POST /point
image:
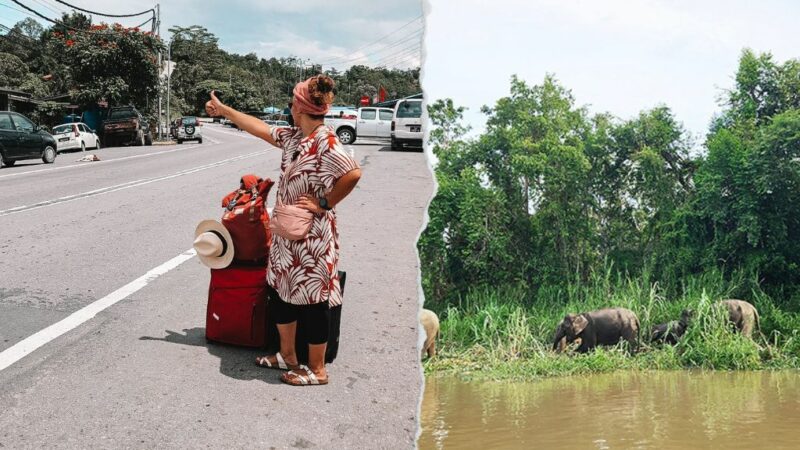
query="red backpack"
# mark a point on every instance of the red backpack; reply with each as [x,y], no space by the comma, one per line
[247,220]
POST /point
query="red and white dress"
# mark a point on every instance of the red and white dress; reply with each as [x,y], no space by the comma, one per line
[304,272]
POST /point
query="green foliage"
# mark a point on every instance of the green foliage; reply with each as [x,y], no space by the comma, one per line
[114,63]
[553,211]
[252,83]
[120,65]
[503,333]
[548,195]
[13,71]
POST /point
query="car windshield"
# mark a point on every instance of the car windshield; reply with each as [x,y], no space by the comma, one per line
[62,129]
[408,110]
[283,123]
[189,121]
[121,113]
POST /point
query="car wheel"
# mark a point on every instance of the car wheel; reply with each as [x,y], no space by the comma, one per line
[200,141]
[180,141]
[5,163]
[395,145]
[49,155]
[346,136]
[83,146]
[148,139]
[97,143]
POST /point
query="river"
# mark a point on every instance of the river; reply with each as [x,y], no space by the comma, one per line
[627,410]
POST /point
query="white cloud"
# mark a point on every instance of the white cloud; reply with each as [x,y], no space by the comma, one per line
[620,56]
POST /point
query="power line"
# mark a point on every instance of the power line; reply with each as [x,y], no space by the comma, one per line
[78,30]
[16,9]
[375,42]
[388,56]
[405,61]
[105,15]
[406,39]
[47,6]
[45,17]
[15,32]
[400,56]
[415,53]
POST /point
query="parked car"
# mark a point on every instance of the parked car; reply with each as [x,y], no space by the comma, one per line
[282,124]
[21,139]
[189,129]
[367,122]
[124,124]
[407,124]
[75,136]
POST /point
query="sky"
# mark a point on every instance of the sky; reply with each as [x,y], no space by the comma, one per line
[340,33]
[617,56]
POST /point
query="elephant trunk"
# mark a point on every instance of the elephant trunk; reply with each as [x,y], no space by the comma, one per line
[560,341]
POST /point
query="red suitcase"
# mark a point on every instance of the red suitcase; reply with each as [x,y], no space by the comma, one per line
[237,306]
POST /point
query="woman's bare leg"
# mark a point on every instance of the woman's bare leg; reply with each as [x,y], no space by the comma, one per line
[287,333]
[316,360]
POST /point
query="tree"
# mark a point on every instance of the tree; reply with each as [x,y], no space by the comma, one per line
[110,62]
[12,70]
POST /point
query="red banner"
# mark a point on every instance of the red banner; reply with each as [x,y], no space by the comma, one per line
[382,94]
[364,100]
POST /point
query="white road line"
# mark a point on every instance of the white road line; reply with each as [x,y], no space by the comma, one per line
[241,134]
[119,187]
[26,346]
[16,174]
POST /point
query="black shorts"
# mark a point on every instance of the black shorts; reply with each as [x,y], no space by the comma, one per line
[315,318]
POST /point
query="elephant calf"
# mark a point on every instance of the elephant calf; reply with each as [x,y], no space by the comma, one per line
[742,315]
[430,323]
[671,332]
[602,327]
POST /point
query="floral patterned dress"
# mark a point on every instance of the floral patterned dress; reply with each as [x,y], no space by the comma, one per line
[305,272]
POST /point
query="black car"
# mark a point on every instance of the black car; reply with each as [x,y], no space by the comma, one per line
[20,139]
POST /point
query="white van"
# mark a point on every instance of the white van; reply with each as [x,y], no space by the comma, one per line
[407,124]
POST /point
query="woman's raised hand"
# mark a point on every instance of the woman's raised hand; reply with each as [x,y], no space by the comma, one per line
[214,106]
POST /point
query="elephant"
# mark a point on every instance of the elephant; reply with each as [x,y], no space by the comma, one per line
[430,323]
[601,327]
[671,332]
[742,315]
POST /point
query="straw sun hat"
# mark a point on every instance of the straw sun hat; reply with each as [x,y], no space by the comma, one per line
[213,244]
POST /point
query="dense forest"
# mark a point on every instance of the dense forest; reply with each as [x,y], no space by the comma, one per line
[88,62]
[550,194]
[553,210]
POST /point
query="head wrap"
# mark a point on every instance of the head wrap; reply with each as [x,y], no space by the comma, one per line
[304,103]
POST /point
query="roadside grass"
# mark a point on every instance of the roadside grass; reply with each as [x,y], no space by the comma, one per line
[503,334]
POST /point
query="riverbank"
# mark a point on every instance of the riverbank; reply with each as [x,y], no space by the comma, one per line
[504,334]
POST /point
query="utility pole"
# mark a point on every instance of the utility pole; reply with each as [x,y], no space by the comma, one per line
[169,78]
[157,30]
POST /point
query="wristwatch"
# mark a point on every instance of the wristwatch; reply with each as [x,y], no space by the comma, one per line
[323,203]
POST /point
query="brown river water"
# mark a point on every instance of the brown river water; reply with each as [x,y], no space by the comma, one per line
[641,410]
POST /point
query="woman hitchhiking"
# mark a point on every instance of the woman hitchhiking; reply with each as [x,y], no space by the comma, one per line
[316,174]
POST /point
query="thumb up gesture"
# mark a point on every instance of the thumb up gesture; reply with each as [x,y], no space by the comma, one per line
[214,106]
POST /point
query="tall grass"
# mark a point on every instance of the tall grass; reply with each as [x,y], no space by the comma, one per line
[506,333]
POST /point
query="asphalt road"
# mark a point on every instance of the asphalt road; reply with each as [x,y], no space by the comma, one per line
[139,374]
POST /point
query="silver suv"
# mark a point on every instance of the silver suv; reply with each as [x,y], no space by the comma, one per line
[188,129]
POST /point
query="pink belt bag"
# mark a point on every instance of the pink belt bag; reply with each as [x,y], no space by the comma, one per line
[290,222]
